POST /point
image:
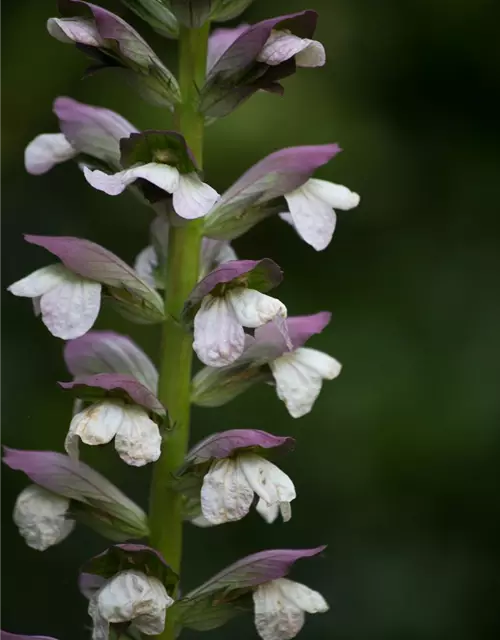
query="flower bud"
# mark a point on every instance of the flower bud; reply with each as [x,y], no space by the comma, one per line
[41,517]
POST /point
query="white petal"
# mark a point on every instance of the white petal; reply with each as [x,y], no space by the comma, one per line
[214,253]
[268,511]
[95,425]
[282,45]
[276,618]
[336,195]
[133,596]
[302,597]
[225,494]
[145,265]
[193,198]
[312,54]
[41,517]
[138,440]
[298,386]
[78,30]
[45,151]
[319,362]
[219,338]
[313,218]
[267,480]
[41,281]
[253,309]
[70,310]
[161,175]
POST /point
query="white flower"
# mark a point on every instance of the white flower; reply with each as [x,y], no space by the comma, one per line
[45,151]
[280,607]
[283,45]
[69,304]
[145,265]
[130,596]
[312,212]
[219,338]
[230,484]
[137,437]
[192,198]
[41,517]
[299,376]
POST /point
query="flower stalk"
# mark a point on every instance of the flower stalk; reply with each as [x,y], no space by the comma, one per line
[181,275]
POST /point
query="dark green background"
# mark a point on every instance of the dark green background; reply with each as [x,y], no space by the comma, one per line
[397,466]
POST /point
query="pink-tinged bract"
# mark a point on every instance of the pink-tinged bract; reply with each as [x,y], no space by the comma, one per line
[113,383]
[109,352]
[226,443]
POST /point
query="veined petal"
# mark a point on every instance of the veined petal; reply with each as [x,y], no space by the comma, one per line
[78,30]
[267,480]
[313,218]
[253,308]
[225,494]
[301,596]
[162,175]
[276,618]
[319,362]
[70,309]
[41,517]
[297,385]
[41,281]
[45,151]
[219,338]
[138,440]
[283,45]
[95,425]
[299,376]
[193,198]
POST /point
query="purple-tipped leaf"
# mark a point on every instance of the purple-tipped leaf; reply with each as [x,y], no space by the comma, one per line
[261,275]
[116,385]
[109,352]
[77,481]
[93,131]
[277,174]
[226,443]
[253,570]
[94,262]
[122,557]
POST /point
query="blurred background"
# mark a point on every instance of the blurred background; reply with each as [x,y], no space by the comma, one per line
[397,465]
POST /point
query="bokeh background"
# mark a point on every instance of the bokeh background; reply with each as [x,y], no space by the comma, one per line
[397,466]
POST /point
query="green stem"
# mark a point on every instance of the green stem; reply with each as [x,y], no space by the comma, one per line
[181,276]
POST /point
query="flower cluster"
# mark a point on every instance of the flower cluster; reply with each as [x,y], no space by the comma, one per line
[241,333]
